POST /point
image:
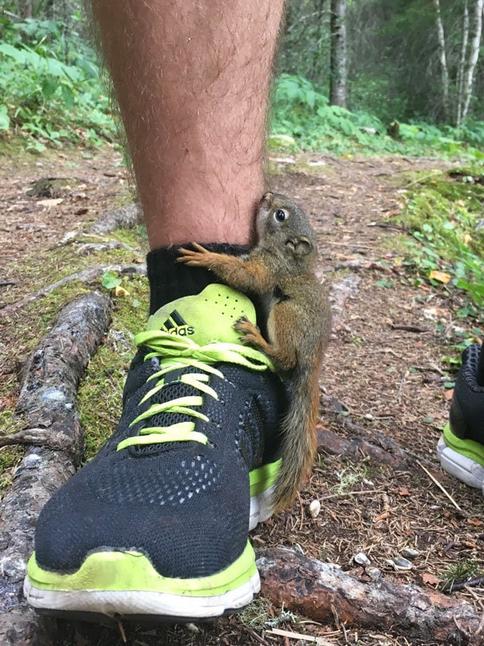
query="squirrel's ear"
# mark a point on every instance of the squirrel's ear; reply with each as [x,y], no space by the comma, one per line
[302,246]
[266,200]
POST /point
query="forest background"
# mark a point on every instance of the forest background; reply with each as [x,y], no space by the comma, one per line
[352,76]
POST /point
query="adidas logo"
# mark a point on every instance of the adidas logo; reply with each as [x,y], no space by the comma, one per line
[176,324]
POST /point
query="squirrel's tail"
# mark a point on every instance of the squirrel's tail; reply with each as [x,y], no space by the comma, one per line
[298,437]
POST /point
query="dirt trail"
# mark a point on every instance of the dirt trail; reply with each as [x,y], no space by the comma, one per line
[383,378]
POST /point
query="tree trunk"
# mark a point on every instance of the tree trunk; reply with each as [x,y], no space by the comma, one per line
[338,53]
[474,45]
[25,8]
[462,64]
[444,70]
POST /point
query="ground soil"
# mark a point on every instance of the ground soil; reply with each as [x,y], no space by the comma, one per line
[383,377]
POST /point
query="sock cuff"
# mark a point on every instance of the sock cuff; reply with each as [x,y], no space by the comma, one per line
[170,280]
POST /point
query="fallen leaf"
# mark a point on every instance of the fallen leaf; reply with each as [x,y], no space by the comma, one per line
[448,394]
[51,202]
[404,491]
[477,522]
[430,579]
[440,276]
[120,291]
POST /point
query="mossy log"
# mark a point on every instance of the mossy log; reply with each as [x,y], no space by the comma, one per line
[47,402]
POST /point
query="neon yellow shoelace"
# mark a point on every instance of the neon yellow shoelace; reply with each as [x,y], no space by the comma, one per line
[174,353]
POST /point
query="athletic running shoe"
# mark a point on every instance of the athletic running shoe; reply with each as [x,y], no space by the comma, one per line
[157,523]
[461,447]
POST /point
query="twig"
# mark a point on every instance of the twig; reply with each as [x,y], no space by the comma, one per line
[474,596]
[409,328]
[305,638]
[122,632]
[441,487]
[475,582]
[257,637]
[420,180]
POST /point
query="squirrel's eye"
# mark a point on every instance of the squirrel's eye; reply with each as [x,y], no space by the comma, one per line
[280,215]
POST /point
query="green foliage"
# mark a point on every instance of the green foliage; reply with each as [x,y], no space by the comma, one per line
[443,215]
[50,86]
[459,571]
[110,280]
[301,111]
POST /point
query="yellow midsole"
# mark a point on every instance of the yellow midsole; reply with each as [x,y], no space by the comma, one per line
[133,571]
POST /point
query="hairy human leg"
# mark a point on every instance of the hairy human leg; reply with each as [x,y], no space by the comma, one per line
[175,493]
[192,81]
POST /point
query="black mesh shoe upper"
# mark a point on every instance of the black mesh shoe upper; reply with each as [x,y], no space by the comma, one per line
[467,409]
[184,505]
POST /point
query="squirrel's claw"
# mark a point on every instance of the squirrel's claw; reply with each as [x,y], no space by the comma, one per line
[194,257]
[199,248]
[249,333]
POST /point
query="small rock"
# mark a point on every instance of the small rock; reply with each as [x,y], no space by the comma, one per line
[193,628]
[314,508]
[373,572]
[399,563]
[362,559]
[410,553]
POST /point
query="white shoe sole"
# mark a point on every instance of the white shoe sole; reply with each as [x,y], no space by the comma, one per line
[260,508]
[113,603]
[460,466]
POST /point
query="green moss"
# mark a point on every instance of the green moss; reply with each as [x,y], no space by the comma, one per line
[100,393]
[442,213]
[10,456]
[257,614]
[132,237]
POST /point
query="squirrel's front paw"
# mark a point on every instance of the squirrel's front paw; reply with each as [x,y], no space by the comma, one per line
[197,257]
[249,333]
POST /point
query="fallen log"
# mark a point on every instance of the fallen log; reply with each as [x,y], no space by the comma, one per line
[84,276]
[39,475]
[48,394]
[47,403]
[323,592]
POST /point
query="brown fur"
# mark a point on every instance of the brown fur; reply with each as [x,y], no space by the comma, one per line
[280,268]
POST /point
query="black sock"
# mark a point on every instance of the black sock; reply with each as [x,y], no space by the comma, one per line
[170,280]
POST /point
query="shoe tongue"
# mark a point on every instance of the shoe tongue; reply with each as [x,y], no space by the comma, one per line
[205,317]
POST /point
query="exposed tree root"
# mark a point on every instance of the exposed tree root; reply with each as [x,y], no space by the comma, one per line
[355,447]
[84,276]
[47,401]
[126,217]
[323,592]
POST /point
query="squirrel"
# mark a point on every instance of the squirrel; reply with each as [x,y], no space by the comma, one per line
[280,270]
